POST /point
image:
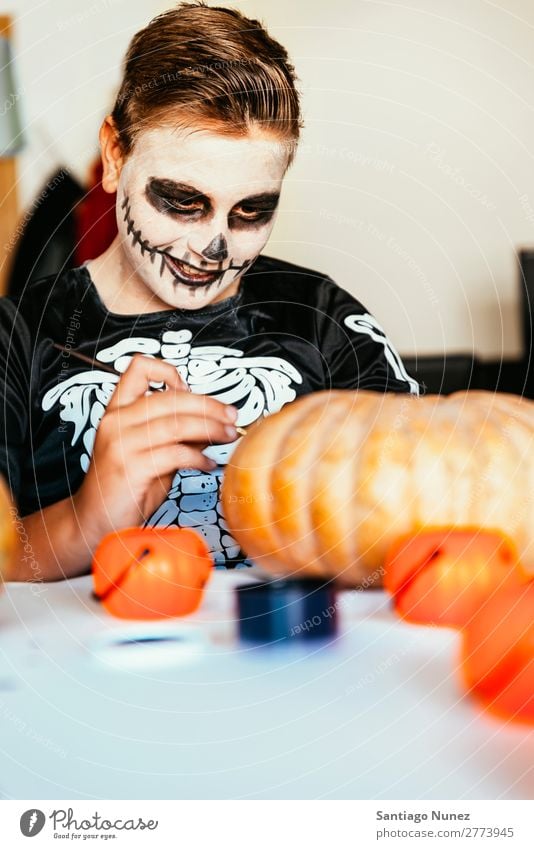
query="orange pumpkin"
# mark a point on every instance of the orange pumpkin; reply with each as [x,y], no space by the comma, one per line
[498,653]
[151,573]
[443,576]
[326,485]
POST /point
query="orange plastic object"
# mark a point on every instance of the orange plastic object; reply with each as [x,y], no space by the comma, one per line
[498,653]
[151,573]
[441,576]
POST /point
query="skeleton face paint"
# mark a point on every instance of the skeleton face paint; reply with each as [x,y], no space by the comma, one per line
[194,212]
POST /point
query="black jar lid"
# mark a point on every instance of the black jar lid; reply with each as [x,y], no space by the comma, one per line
[284,609]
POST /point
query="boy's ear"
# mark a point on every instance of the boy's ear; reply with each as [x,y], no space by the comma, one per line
[112,155]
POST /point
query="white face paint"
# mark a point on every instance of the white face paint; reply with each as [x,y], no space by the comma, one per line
[195,210]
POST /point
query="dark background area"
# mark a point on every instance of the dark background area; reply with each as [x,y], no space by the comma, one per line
[454,372]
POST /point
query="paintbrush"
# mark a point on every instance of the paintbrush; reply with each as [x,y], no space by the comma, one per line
[85,359]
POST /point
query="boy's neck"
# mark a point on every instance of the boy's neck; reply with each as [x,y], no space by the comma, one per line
[120,289]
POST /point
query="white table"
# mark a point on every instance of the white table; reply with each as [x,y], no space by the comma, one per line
[379,713]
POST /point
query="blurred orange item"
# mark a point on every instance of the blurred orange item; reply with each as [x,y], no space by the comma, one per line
[498,653]
[441,576]
[151,573]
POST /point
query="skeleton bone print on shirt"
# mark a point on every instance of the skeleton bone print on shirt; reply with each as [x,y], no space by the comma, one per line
[365,323]
[258,386]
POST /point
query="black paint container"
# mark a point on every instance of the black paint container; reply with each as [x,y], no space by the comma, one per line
[286,610]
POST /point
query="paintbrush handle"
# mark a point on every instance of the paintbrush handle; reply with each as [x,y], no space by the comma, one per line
[85,359]
[96,363]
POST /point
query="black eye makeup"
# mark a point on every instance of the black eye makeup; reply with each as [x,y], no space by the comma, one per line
[182,200]
[255,210]
[170,197]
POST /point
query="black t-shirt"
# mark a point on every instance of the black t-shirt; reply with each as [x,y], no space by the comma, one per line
[287,332]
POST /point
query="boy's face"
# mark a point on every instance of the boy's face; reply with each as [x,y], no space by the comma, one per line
[195,210]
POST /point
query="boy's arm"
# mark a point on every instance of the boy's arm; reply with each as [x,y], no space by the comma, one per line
[51,542]
[52,545]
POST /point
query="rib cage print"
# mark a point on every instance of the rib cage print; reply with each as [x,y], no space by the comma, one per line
[257,386]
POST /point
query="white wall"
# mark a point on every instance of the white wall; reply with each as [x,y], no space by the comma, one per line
[415,182]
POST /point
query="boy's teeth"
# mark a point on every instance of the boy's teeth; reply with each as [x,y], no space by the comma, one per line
[189,272]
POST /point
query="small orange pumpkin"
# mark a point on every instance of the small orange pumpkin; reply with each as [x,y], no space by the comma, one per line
[443,576]
[151,573]
[325,486]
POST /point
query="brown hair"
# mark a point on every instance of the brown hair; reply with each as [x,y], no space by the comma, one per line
[212,67]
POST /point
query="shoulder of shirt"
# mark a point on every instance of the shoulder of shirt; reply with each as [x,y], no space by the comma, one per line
[288,280]
[42,294]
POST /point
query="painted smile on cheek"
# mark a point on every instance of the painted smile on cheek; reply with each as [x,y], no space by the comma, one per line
[181,269]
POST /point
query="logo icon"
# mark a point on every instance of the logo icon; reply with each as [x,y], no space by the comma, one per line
[32,822]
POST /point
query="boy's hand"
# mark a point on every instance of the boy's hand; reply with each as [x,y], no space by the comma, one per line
[140,443]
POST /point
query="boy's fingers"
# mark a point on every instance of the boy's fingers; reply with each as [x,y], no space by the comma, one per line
[168,430]
[168,458]
[134,382]
[177,404]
